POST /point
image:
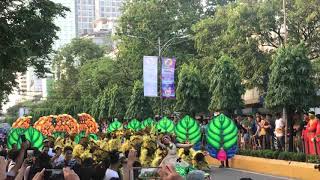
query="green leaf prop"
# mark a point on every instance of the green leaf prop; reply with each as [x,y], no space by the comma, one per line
[83,134]
[187,129]
[94,137]
[59,134]
[147,123]
[115,125]
[14,137]
[134,124]
[183,171]
[35,137]
[222,132]
[165,125]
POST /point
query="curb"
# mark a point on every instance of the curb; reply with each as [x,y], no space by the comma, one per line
[290,169]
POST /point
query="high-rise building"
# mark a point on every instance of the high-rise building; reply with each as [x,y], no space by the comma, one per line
[85,15]
[67,24]
[110,9]
[89,11]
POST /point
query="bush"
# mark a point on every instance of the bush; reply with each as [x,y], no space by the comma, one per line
[313,159]
[288,156]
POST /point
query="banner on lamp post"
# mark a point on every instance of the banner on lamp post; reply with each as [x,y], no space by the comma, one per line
[150,76]
[167,77]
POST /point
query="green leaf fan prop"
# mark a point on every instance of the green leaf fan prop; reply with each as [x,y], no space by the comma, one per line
[35,137]
[59,134]
[14,137]
[188,130]
[165,125]
[134,124]
[222,137]
[83,134]
[147,123]
[115,125]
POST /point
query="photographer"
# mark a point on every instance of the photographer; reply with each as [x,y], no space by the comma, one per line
[16,161]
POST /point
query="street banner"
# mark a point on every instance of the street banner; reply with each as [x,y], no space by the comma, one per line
[150,76]
[167,77]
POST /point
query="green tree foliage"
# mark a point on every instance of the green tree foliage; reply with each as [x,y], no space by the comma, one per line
[148,20]
[225,86]
[139,106]
[104,104]
[227,33]
[250,31]
[116,102]
[27,33]
[189,90]
[291,83]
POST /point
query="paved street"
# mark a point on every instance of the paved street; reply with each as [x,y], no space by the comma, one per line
[235,174]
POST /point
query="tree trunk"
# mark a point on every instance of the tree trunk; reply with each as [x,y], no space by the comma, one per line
[290,116]
[285,118]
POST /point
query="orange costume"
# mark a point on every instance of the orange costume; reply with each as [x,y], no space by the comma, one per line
[311,133]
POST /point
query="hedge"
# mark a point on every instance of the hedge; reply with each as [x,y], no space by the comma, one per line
[288,156]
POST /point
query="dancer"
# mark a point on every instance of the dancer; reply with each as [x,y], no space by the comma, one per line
[171,147]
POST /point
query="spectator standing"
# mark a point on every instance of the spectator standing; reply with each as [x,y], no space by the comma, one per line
[58,159]
[112,171]
[279,131]
[264,132]
[303,129]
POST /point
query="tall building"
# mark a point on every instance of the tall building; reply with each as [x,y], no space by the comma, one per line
[85,15]
[67,24]
[110,9]
[89,11]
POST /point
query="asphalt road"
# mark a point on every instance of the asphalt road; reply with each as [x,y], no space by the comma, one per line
[235,174]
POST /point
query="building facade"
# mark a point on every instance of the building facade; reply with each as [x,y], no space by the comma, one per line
[67,25]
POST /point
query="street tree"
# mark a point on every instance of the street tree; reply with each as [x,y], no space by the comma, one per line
[225,87]
[27,34]
[116,102]
[291,84]
[189,90]
[139,106]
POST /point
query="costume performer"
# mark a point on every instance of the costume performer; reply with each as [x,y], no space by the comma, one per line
[311,133]
[171,147]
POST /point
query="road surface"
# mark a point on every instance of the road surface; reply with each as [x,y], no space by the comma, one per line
[235,174]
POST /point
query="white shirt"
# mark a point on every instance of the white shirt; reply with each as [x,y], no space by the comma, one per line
[51,153]
[59,160]
[279,124]
[110,174]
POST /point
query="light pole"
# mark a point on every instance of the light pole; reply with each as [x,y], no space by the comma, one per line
[160,49]
[284,110]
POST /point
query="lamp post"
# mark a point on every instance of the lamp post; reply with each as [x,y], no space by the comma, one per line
[160,50]
[284,110]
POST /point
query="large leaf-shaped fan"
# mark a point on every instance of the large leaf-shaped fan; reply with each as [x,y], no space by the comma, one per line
[165,125]
[134,124]
[83,134]
[14,137]
[34,137]
[147,123]
[188,130]
[222,137]
[59,134]
[115,125]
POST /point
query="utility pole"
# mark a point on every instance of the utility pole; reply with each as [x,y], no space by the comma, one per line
[284,110]
[160,86]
